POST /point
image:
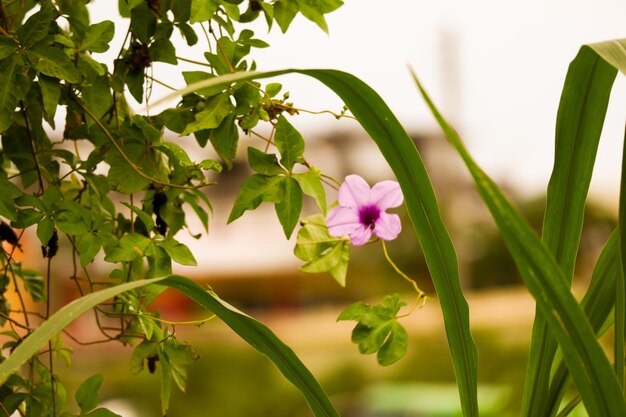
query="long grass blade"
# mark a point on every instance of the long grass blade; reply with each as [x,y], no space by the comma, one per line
[262,339]
[597,303]
[620,296]
[580,119]
[58,321]
[546,281]
[253,332]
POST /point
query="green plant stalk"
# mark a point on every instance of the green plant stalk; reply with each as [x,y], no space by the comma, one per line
[545,280]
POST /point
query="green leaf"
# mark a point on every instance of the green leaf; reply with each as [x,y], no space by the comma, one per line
[253,332]
[143,22]
[71,217]
[378,330]
[176,119]
[263,340]
[546,281]
[311,184]
[598,303]
[202,10]
[232,10]
[166,383]
[272,89]
[121,175]
[36,27]
[212,115]
[86,395]
[289,206]
[163,50]
[7,47]
[8,193]
[320,251]
[334,261]
[88,247]
[289,143]
[284,13]
[395,347]
[159,265]
[128,248]
[145,218]
[264,163]
[188,33]
[255,190]
[98,36]
[177,251]
[45,229]
[225,140]
[88,66]
[71,222]
[579,123]
[33,282]
[51,93]
[9,95]
[181,10]
[54,62]
[142,351]
[57,322]
[210,165]
[314,10]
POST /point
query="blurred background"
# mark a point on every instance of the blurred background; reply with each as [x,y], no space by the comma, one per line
[496,69]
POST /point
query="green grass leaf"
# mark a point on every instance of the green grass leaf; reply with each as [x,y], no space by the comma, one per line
[263,340]
[253,332]
[598,303]
[546,281]
[580,119]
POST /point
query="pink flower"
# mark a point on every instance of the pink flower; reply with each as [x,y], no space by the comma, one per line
[361,211]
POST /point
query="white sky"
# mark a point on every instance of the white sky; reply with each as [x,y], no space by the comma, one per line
[503,96]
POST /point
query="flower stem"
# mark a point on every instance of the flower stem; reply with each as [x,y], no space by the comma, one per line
[421,295]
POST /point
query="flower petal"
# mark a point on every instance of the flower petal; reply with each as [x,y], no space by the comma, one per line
[386,194]
[354,192]
[361,236]
[342,221]
[388,226]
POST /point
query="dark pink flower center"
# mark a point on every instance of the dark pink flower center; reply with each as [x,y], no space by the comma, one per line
[368,215]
